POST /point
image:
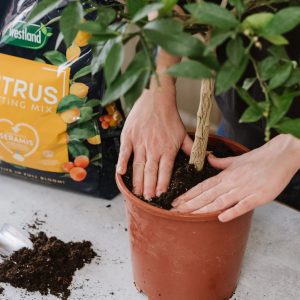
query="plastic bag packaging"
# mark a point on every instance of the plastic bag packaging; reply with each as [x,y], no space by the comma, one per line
[53,129]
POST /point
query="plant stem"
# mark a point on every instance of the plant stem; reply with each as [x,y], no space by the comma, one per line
[267,98]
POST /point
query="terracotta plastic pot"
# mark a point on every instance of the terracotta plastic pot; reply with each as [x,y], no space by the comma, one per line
[184,256]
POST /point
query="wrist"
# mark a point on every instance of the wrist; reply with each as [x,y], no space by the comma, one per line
[163,62]
[293,148]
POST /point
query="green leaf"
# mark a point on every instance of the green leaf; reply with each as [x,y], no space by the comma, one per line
[134,6]
[69,21]
[43,29]
[125,81]
[235,51]
[248,83]
[86,114]
[96,39]
[278,52]
[93,103]
[99,55]
[42,9]
[69,102]
[257,21]
[280,107]
[267,68]
[97,157]
[210,60]
[276,39]
[239,5]
[78,148]
[136,90]
[82,72]
[218,37]
[106,15]
[113,63]
[212,14]
[55,57]
[144,11]
[291,126]
[282,74]
[83,131]
[39,60]
[92,27]
[190,69]
[251,114]
[168,25]
[229,75]
[247,98]
[294,78]
[284,21]
[173,42]
[168,6]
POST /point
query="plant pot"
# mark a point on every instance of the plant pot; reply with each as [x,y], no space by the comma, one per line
[184,256]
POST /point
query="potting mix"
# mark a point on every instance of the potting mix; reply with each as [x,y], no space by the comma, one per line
[53,129]
[48,268]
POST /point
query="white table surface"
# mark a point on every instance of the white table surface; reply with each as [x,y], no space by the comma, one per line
[271,269]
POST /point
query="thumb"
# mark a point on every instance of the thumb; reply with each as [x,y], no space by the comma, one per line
[187,145]
[220,163]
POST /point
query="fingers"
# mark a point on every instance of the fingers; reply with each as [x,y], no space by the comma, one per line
[187,145]
[124,156]
[220,163]
[244,206]
[139,162]
[200,201]
[222,202]
[150,177]
[197,190]
[164,175]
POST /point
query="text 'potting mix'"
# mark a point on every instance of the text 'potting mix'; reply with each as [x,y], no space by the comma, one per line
[31,133]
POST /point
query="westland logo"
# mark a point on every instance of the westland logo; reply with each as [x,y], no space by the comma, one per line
[26,35]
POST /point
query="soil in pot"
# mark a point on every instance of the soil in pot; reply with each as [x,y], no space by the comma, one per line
[184,177]
[48,268]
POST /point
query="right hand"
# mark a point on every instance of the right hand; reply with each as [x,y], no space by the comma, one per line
[154,133]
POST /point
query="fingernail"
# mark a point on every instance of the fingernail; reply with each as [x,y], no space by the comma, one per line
[147,197]
[159,193]
[176,202]
[210,155]
[222,218]
[120,170]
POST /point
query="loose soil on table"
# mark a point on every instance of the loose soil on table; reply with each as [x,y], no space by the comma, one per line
[49,267]
[184,177]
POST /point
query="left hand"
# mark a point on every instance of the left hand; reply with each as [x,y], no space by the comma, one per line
[247,181]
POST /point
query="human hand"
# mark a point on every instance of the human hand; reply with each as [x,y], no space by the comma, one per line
[154,132]
[247,181]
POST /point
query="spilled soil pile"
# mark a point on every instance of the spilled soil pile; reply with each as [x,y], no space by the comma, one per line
[49,267]
[184,176]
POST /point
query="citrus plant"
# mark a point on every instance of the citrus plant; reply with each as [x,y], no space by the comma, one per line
[242,27]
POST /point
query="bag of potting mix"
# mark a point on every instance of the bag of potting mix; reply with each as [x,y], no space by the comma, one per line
[53,129]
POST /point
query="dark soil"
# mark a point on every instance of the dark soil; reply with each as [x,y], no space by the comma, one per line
[1,290]
[185,176]
[49,267]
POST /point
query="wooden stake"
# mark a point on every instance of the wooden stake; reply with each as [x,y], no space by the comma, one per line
[203,123]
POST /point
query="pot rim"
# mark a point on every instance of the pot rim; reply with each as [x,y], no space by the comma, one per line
[175,216]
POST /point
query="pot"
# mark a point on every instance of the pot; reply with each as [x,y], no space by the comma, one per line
[185,256]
